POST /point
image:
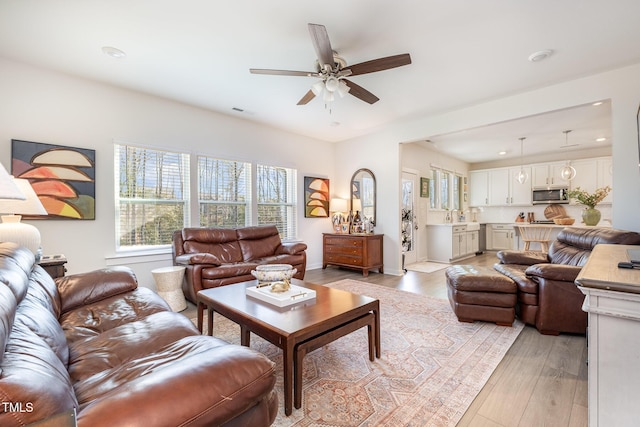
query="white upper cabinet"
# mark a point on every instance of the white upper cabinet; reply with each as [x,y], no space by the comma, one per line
[547,174]
[479,188]
[499,187]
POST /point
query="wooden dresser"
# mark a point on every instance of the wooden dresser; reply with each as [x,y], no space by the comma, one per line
[359,251]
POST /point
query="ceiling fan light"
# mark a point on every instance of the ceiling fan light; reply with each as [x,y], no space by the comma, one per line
[317,87]
[328,96]
[332,84]
[343,89]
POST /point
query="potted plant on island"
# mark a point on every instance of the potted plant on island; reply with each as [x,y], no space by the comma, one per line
[590,215]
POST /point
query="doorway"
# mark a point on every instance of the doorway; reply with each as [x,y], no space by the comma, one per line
[409,218]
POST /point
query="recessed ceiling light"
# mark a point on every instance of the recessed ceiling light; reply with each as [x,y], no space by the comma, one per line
[601,139]
[540,55]
[502,153]
[113,52]
[595,104]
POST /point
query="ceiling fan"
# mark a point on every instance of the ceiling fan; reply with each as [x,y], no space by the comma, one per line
[333,70]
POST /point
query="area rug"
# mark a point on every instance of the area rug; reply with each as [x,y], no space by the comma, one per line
[426,267]
[431,369]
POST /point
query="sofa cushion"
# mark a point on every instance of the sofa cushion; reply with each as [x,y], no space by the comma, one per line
[82,289]
[34,375]
[222,243]
[258,242]
[127,342]
[93,319]
[197,380]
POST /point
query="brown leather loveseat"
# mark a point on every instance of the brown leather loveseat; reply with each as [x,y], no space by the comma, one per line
[221,256]
[547,296]
[115,353]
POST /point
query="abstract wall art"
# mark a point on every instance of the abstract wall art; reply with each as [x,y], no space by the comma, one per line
[62,177]
[316,197]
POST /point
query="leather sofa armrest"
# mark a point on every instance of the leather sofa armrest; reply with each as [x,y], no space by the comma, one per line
[522,257]
[81,289]
[558,272]
[291,248]
[199,258]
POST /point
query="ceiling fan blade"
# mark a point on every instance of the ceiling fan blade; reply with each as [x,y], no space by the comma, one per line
[321,44]
[361,93]
[283,72]
[306,98]
[380,64]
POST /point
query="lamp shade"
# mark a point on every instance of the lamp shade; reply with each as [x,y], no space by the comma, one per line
[11,229]
[30,206]
[338,205]
[8,188]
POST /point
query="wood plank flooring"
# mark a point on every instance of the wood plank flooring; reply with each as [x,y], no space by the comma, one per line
[542,380]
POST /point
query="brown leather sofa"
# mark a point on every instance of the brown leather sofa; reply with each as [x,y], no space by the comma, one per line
[547,295]
[221,256]
[115,353]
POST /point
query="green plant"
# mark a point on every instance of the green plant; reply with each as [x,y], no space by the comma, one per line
[590,200]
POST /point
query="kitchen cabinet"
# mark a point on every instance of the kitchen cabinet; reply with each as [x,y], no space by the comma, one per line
[547,174]
[502,236]
[479,188]
[499,187]
[359,251]
[592,174]
[452,242]
[612,301]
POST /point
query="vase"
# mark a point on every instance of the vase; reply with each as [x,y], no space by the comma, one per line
[591,216]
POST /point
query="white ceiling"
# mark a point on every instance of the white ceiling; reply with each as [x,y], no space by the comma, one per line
[199,52]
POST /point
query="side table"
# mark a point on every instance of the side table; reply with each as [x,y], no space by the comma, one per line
[169,284]
[54,265]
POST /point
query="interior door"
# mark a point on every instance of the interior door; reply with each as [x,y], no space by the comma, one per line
[409,217]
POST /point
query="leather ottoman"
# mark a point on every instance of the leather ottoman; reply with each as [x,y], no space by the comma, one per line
[480,293]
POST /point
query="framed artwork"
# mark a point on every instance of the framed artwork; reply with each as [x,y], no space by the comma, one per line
[316,197]
[62,177]
[424,187]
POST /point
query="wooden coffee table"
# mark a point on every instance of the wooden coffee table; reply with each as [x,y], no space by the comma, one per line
[296,329]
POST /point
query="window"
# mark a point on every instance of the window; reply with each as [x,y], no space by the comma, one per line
[152,197]
[445,188]
[276,199]
[224,193]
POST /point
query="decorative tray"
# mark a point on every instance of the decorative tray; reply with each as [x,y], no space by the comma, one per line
[294,295]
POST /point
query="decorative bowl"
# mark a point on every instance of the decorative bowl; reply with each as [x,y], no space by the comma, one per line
[564,221]
[274,272]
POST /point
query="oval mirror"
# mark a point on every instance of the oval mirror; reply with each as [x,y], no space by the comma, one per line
[363,194]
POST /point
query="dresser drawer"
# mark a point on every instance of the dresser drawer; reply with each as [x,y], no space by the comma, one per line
[344,241]
[345,250]
[343,260]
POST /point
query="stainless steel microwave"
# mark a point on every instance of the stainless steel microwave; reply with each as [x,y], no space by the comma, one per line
[545,196]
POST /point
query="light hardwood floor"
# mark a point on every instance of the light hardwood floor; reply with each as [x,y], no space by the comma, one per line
[542,380]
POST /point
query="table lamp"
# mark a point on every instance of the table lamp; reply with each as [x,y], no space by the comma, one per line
[338,207]
[11,229]
[8,188]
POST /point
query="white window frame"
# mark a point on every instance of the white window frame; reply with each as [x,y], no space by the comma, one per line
[120,202]
[244,184]
[288,228]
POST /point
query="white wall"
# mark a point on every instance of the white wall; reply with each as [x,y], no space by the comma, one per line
[43,106]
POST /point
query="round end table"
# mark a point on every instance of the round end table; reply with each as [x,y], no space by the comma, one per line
[169,285]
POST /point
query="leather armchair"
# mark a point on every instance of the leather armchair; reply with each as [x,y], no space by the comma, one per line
[547,295]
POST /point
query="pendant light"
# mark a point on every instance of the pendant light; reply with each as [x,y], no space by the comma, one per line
[568,172]
[522,175]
